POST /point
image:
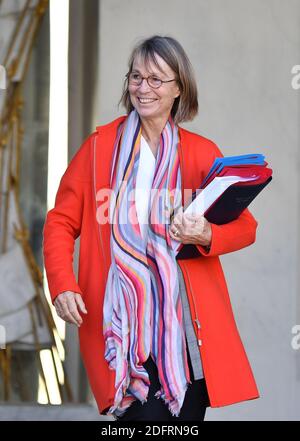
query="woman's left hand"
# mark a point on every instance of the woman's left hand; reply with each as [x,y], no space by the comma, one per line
[191,228]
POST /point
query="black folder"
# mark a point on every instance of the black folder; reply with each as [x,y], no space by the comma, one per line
[225,209]
[233,202]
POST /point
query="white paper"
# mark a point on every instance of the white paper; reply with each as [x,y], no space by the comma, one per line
[207,196]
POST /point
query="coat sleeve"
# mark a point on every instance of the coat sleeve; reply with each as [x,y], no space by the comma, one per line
[232,236]
[63,225]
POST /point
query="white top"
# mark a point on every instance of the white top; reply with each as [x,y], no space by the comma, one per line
[144,181]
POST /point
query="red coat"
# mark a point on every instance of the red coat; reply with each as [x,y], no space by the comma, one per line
[226,368]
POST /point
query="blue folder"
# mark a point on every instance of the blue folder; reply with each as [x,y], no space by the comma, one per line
[220,163]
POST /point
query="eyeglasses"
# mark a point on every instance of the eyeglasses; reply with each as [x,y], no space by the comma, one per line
[136,79]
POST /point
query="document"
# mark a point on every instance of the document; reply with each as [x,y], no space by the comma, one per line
[229,187]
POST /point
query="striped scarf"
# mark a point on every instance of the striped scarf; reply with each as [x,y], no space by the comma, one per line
[142,311]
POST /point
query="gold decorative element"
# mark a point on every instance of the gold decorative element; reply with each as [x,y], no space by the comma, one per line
[11,135]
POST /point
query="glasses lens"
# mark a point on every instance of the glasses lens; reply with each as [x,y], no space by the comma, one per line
[154,82]
[135,78]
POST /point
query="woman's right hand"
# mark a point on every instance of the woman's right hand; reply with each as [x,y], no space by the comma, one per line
[66,305]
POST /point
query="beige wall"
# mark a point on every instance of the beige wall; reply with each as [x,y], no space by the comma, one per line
[243,53]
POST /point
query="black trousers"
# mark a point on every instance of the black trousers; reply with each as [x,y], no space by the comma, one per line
[193,409]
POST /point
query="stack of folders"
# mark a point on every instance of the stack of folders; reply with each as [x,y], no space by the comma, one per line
[230,186]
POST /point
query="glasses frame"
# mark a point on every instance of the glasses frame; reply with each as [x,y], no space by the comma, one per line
[147,79]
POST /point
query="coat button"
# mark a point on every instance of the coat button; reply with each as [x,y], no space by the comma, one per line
[198,323]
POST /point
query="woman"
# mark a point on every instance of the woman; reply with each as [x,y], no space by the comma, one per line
[157,332]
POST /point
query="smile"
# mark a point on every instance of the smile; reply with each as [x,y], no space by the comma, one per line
[146,100]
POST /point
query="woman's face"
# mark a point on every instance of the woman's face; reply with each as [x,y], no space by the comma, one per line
[153,103]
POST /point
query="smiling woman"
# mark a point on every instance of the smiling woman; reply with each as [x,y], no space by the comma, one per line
[159,313]
[159,72]
[152,89]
